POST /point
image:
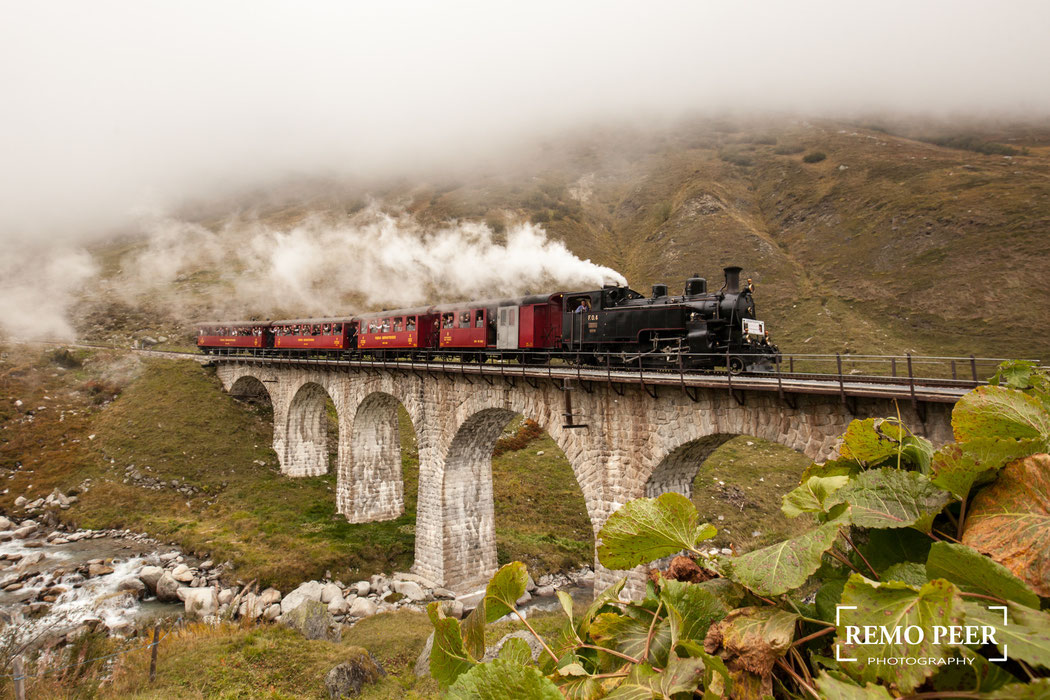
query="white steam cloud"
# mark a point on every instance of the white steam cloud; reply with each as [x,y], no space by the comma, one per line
[376,260]
[37,290]
[392,261]
[249,268]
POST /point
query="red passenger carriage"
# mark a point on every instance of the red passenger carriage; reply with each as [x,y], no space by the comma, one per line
[231,336]
[399,330]
[322,334]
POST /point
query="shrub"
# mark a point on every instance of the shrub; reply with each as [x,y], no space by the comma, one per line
[814,157]
[528,431]
[788,149]
[737,158]
[975,144]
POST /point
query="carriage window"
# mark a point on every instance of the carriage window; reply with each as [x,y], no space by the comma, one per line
[411,326]
[386,325]
[479,319]
[464,319]
[399,324]
[446,321]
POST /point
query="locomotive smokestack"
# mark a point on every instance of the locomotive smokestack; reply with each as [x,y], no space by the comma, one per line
[732,279]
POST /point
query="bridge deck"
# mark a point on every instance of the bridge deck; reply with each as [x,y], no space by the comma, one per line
[926,390]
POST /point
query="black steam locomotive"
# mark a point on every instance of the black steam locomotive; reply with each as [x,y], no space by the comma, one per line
[614,326]
[694,330]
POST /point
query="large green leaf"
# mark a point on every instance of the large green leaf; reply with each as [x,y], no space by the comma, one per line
[580,687]
[1016,374]
[629,635]
[504,589]
[650,528]
[833,467]
[892,498]
[972,571]
[697,604]
[783,566]
[1024,635]
[503,680]
[448,657]
[865,442]
[906,572]
[473,631]
[976,673]
[960,467]
[1009,521]
[995,411]
[516,650]
[829,595]
[644,683]
[956,470]
[717,681]
[893,607]
[884,548]
[606,598]
[811,496]
[832,688]
[1038,689]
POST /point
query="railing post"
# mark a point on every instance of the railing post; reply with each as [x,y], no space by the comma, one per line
[911,383]
[19,672]
[954,375]
[893,366]
[153,654]
[842,386]
[791,364]
[973,369]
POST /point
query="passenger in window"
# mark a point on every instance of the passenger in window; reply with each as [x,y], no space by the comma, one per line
[479,322]
[412,323]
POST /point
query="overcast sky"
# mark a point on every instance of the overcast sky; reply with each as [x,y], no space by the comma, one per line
[113,108]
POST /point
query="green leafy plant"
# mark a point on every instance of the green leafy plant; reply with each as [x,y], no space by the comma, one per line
[893,544]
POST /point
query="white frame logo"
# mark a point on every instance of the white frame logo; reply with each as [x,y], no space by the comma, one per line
[964,633]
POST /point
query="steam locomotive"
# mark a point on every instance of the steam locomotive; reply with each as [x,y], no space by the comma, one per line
[613,326]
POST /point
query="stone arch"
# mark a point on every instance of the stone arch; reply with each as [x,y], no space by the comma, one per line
[371,486]
[306,437]
[676,471]
[251,388]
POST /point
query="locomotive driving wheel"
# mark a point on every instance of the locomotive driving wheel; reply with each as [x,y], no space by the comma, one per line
[736,365]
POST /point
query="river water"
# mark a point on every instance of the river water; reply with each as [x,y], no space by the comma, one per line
[77,598]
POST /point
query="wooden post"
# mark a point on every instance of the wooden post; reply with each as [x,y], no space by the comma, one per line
[20,681]
[153,654]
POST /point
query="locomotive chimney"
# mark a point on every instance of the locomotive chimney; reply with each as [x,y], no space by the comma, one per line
[695,285]
[659,290]
[732,279]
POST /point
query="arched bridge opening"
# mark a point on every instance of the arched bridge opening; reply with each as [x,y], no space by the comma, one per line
[509,493]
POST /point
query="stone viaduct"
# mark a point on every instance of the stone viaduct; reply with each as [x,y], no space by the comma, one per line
[632,444]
